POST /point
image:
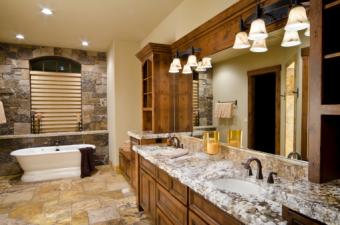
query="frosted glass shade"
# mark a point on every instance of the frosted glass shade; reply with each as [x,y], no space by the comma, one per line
[187,69]
[177,63]
[297,19]
[173,68]
[200,67]
[206,63]
[192,61]
[241,41]
[290,39]
[258,30]
[259,46]
[307,32]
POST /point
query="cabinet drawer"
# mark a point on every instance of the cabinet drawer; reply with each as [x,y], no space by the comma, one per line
[179,190]
[295,218]
[195,220]
[208,211]
[175,211]
[162,219]
[148,167]
[164,179]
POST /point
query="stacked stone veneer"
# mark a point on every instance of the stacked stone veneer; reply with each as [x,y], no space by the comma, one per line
[205,99]
[15,85]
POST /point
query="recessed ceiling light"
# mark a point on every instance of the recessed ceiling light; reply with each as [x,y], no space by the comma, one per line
[47,11]
[84,43]
[20,36]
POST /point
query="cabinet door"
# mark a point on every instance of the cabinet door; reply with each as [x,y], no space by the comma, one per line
[295,218]
[162,219]
[148,194]
[195,220]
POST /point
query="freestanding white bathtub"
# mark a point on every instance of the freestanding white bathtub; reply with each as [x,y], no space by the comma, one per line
[48,163]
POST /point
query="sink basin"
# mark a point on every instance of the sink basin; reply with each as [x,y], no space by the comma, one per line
[237,186]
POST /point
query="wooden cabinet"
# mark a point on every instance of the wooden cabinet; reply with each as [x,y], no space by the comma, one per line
[162,219]
[195,220]
[124,163]
[175,210]
[159,92]
[324,97]
[147,191]
[295,218]
[209,212]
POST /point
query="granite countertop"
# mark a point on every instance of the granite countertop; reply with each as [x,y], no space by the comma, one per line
[150,135]
[197,170]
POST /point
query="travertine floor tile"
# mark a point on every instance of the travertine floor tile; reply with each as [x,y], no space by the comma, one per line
[104,198]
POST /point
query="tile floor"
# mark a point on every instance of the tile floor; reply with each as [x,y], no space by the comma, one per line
[103,199]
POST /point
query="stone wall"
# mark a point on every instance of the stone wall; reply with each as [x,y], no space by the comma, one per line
[15,85]
[205,99]
[10,166]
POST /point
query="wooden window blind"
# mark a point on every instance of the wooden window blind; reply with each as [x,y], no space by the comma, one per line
[57,98]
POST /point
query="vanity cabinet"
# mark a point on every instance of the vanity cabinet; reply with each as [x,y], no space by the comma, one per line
[147,191]
[209,213]
[195,220]
[295,218]
[124,162]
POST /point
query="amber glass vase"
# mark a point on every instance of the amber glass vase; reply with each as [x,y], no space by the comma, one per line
[211,142]
[234,138]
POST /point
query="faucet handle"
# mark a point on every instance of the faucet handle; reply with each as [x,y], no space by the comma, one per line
[248,167]
[270,179]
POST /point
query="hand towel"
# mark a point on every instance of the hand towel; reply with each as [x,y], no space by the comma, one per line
[2,113]
[224,110]
[87,161]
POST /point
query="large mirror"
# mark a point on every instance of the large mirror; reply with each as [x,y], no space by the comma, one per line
[257,100]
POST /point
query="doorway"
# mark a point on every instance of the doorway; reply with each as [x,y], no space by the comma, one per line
[264,109]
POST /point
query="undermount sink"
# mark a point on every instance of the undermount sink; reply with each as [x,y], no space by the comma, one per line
[237,186]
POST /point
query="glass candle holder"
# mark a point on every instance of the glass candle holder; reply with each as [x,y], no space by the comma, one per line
[211,141]
[234,138]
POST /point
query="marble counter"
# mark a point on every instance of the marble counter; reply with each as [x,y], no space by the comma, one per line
[197,170]
[150,135]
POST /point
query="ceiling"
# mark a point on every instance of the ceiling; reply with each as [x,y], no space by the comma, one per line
[97,21]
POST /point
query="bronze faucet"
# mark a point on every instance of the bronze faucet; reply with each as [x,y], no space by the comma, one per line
[270,179]
[174,141]
[246,165]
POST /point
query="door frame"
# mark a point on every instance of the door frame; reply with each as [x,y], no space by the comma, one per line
[251,103]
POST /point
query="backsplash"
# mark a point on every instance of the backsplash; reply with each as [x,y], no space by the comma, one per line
[286,168]
[15,85]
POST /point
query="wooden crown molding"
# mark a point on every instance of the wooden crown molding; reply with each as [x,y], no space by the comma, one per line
[153,48]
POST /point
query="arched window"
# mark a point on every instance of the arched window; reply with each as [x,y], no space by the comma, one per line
[56,98]
[55,64]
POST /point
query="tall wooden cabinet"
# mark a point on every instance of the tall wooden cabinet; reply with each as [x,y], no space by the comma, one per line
[324,92]
[165,103]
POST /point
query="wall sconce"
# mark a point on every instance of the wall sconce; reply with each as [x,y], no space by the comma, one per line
[259,46]
[290,39]
[258,29]
[307,32]
[241,39]
[297,18]
[191,64]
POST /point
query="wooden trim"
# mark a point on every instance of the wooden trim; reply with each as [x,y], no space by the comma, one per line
[152,48]
[272,69]
[314,93]
[332,4]
[304,96]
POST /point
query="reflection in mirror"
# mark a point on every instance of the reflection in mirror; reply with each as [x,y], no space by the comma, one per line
[270,89]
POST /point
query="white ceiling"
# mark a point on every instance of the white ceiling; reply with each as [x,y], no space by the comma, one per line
[98,21]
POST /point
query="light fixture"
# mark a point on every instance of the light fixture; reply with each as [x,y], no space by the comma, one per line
[290,39]
[173,68]
[85,43]
[20,36]
[307,32]
[200,67]
[297,18]
[259,46]
[258,29]
[187,69]
[177,63]
[192,60]
[206,63]
[241,39]
[47,11]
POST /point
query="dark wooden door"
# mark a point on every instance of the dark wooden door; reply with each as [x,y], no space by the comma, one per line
[264,109]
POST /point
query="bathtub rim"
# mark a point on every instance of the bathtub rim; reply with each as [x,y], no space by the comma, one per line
[20,152]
